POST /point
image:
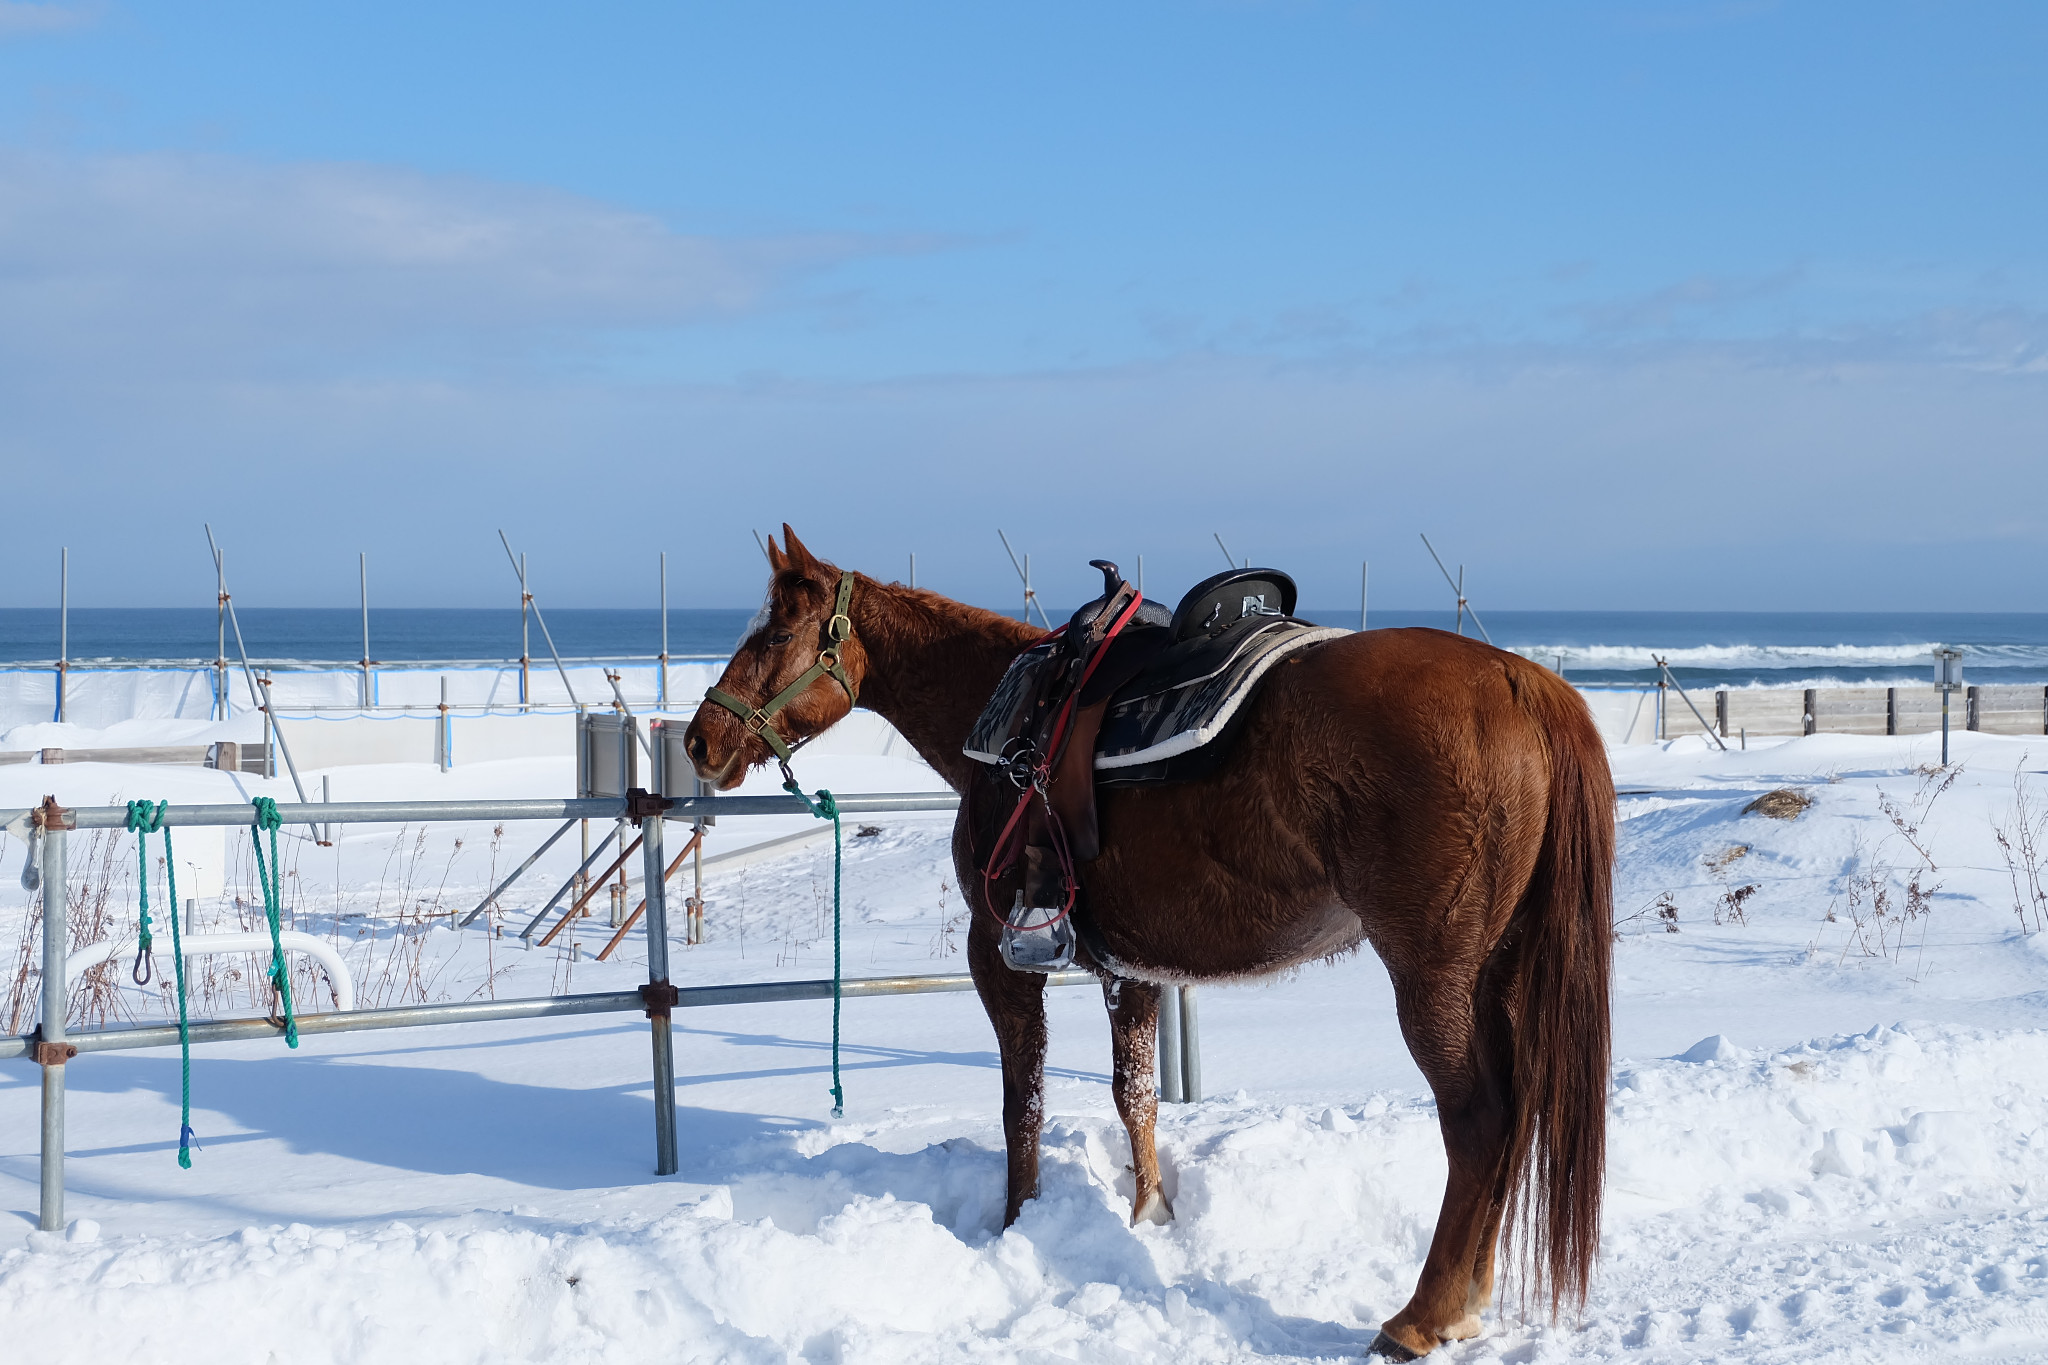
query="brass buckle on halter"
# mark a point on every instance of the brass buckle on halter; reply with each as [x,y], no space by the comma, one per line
[839,628]
[757,722]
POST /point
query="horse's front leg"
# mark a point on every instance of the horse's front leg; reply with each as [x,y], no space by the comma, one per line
[1015,1002]
[1133,1038]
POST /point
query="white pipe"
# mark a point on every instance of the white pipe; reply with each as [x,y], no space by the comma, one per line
[199,945]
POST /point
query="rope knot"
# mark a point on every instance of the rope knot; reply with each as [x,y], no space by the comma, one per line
[144,820]
[266,813]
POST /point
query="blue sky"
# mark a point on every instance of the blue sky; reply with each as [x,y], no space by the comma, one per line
[1718,306]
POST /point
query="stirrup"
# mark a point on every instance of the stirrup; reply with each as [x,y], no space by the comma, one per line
[1044,947]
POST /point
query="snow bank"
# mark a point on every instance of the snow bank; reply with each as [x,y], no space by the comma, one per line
[1858,1197]
[1793,1177]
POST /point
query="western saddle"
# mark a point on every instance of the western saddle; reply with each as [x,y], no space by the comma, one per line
[1040,728]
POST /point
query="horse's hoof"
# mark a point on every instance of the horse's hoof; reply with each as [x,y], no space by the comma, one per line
[1155,1211]
[1386,1348]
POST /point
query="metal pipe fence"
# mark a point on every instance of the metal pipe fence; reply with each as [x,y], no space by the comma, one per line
[683,808]
[52,1046]
[530,1007]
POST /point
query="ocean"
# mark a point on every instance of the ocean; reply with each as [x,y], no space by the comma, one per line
[1707,649]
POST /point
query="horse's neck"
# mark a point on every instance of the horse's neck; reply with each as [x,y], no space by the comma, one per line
[932,664]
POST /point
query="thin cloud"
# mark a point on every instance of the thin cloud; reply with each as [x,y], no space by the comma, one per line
[18,20]
[175,252]
[1659,310]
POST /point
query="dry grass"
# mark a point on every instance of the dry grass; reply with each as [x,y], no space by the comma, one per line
[1782,804]
[1728,910]
[384,943]
[1664,907]
[1881,900]
[94,875]
[946,938]
[1719,863]
[2021,839]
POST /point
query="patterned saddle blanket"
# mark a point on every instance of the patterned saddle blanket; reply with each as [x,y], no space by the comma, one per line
[1175,685]
[1185,700]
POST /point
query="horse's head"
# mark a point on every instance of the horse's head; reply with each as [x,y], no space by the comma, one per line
[795,674]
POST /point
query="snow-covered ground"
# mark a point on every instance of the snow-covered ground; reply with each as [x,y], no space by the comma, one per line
[1829,1115]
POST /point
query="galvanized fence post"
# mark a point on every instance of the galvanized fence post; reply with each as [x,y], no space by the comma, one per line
[659,993]
[1172,1080]
[1190,1047]
[51,1049]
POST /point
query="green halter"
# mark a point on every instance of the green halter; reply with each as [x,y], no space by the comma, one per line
[761,721]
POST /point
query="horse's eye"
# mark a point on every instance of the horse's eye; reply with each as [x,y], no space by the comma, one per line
[780,637]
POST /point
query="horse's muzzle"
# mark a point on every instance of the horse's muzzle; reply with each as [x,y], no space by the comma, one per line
[721,767]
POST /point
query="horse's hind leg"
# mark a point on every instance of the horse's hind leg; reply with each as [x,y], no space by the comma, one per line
[1015,1002]
[1496,1058]
[1460,1060]
[1133,1036]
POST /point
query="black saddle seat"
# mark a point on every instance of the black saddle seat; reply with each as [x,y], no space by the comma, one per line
[1156,647]
[1216,604]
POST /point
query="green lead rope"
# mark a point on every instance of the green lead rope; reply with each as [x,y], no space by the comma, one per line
[144,821]
[272,882]
[827,808]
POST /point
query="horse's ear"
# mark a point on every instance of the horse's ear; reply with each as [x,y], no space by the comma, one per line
[777,561]
[799,554]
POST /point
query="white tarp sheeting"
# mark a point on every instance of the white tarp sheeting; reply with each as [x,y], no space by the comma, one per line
[98,698]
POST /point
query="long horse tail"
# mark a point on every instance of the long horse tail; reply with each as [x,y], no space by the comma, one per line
[1557,1156]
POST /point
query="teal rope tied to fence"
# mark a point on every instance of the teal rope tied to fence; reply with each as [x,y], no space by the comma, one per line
[827,808]
[143,819]
[146,821]
[272,882]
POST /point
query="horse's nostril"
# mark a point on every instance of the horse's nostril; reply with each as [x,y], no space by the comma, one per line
[698,750]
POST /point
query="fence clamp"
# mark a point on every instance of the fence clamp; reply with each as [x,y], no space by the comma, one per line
[660,998]
[50,815]
[641,803]
[53,1054]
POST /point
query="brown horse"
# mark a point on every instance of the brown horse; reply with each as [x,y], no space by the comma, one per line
[1442,800]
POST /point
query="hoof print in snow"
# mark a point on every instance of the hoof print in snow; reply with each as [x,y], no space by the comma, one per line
[1782,804]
